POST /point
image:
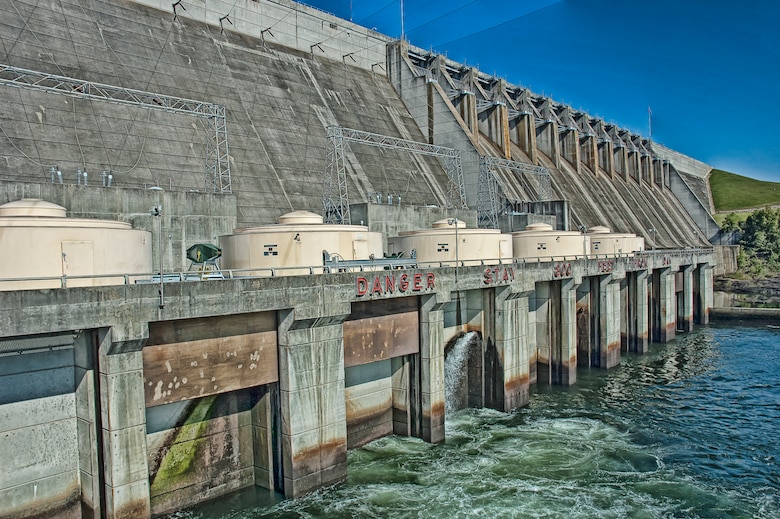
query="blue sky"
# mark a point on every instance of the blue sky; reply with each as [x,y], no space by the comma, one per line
[709,69]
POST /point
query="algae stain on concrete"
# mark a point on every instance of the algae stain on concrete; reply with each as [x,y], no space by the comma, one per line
[179,466]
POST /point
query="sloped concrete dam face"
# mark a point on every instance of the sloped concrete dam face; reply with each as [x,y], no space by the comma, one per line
[211,390]
[278,103]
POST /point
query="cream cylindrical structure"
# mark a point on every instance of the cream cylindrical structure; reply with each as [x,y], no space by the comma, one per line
[39,241]
[540,240]
[299,239]
[447,242]
[606,243]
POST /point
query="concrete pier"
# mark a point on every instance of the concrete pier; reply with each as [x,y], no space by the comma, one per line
[556,332]
[687,305]
[608,322]
[314,433]
[703,294]
[637,314]
[431,369]
[123,424]
[507,378]
[664,304]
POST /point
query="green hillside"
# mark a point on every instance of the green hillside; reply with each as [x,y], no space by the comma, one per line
[731,191]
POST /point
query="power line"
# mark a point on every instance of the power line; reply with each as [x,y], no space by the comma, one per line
[486,29]
[376,12]
[429,22]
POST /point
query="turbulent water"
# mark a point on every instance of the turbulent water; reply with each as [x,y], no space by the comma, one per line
[690,430]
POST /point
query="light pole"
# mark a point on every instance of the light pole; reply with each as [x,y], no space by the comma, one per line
[158,211]
[652,230]
[454,221]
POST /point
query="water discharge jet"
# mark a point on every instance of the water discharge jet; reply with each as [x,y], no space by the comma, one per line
[456,371]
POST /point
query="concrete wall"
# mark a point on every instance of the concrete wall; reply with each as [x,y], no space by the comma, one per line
[699,210]
[726,260]
[291,24]
[683,162]
[369,401]
[444,127]
[392,219]
[207,454]
[40,445]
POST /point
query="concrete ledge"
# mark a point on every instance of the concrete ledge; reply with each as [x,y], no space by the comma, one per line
[733,313]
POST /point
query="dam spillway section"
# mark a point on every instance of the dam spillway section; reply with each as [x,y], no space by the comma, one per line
[133,389]
[269,380]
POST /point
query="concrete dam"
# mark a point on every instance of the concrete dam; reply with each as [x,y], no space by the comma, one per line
[372,204]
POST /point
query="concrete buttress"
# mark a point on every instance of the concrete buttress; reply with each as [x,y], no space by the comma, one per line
[688,297]
[123,419]
[432,369]
[568,332]
[609,322]
[556,332]
[638,339]
[511,339]
[666,305]
[312,401]
[703,293]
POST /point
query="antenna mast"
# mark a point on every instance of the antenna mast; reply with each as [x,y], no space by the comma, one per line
[650,122]
[402,20]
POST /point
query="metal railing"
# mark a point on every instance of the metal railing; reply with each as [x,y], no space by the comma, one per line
[54,282]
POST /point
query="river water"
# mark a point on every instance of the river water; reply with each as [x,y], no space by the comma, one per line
[691,429]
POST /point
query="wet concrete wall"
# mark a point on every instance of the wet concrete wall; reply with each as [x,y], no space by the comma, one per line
[374,335]
[39,428]
[207,454]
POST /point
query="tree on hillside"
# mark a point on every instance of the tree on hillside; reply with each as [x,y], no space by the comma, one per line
[730,223]
[761,242]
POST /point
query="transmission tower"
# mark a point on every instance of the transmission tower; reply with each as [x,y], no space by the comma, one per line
[217,158]
[490,190]
[335,202]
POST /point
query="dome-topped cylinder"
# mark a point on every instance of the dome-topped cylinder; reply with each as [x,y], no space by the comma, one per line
[606,243]
[540,240]
[300,217]
[41,242]
[32,207]
[299,239]
[449,240]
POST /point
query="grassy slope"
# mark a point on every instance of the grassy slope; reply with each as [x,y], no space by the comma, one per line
[741,216]
[731,191]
